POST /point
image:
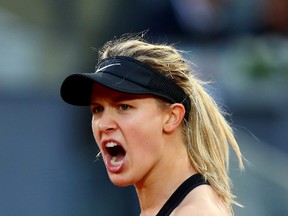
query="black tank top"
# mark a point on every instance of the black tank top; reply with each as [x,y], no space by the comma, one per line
[180,193]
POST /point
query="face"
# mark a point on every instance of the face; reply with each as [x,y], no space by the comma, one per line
[128,129]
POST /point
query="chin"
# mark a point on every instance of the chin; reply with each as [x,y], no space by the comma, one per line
[120,181]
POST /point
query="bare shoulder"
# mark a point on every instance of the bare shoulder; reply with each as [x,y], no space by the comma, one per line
[202,201]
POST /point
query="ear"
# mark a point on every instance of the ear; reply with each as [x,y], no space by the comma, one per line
[174,117]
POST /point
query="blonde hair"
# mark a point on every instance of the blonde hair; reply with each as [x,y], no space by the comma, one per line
[207,133]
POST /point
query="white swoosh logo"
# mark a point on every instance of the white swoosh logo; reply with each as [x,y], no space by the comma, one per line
[107,66]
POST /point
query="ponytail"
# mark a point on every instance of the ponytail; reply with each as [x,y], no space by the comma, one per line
[208,138]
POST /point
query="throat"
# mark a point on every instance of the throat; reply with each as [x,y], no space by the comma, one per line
[151,199]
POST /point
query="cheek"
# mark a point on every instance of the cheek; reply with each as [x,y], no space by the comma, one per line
[146,135]
[149,127]
[145,148]
[94,131]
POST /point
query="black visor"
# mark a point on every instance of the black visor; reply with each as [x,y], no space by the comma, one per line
[123,74]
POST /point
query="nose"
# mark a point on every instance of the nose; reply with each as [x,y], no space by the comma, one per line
[106,123]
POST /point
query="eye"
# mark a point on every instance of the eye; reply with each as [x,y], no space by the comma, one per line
[124,107]
[97,109]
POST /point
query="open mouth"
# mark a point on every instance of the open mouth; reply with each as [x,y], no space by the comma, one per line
[116,153]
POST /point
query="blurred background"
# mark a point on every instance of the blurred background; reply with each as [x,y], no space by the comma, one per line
[47,152]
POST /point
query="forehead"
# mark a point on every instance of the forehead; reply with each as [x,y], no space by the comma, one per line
[102,92]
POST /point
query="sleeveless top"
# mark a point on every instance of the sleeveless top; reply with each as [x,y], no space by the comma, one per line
[180,193]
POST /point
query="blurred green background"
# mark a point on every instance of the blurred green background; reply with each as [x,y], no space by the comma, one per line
[47,152]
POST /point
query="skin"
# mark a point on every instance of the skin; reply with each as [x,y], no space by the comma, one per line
[156,161]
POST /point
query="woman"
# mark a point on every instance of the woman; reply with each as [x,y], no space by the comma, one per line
[157,128]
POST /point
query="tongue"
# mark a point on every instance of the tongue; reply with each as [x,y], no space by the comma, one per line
[117,160]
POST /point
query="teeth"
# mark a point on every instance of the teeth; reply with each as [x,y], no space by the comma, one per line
[111,144]
[115,163]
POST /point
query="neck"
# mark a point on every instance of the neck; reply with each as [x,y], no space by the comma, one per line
[158,185]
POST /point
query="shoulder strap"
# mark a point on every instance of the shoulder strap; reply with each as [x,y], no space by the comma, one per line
[180,193]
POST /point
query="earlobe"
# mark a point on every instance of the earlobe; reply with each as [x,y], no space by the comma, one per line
[174,118]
